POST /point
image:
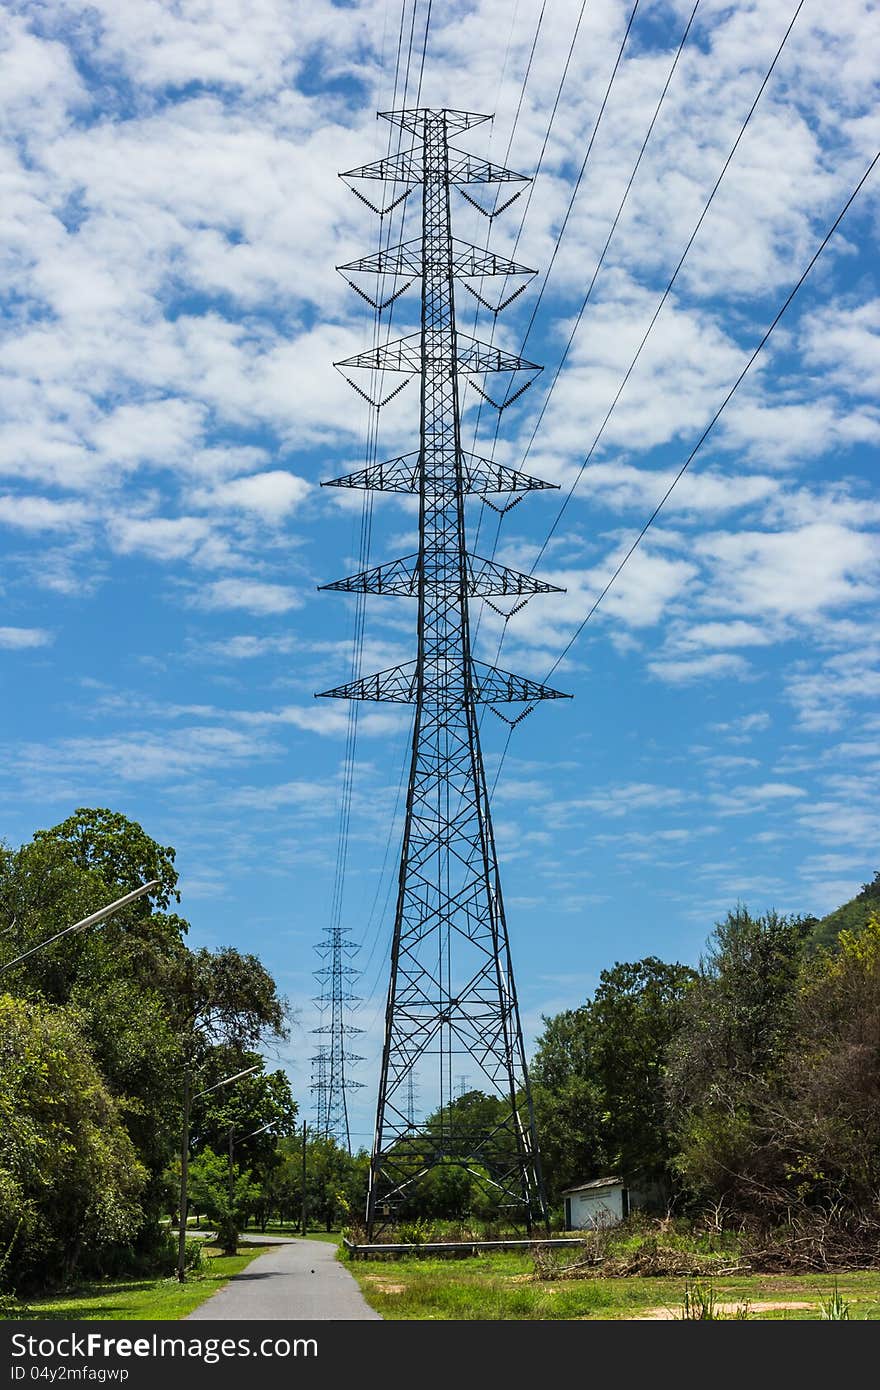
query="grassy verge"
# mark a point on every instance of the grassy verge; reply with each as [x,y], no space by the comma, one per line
[144,1298]
[503,1287]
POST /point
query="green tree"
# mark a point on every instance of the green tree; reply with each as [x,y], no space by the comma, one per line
[70,1180]
[225,1198]
[118,976]
[736,1027]
[254,1113]
[568,1101]
[148,1005]
[850,916]
[118,850]
[634,1016]
[823,1120]
[598,1078]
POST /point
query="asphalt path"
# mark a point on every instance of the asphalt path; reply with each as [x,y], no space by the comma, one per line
[297,1279]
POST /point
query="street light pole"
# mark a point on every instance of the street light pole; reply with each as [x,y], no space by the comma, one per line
[303,1211]
[232,1144]
[184,1175]
[231,1170]
[184,1154]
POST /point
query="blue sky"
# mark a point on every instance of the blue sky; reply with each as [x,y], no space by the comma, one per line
[170,227]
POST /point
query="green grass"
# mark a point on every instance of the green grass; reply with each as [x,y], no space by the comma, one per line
[144,1298]
[501,1286]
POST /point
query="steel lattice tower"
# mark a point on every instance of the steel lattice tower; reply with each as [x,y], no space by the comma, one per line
[452,994]
[330,1083]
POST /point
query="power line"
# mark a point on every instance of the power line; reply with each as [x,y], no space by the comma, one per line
[726,401]
[663,298]
[672,279]
[706,432]
[609,238]
[568,212]
[580,176]
[331,1089]
[522,223]
[525,81]
[424,52]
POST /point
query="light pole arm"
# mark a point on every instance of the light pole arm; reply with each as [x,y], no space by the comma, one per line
[89,921]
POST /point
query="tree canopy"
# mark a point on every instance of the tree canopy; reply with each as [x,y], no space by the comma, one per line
[140,1003]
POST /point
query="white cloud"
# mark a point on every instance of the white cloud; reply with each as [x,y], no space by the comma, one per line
[162,538]
[742,728]
[679,671]
[702,491]
[629,797]
[251,595]
[797,573]
[733,634]
[824,696]
[24,638]
[247,646]
[142,755]
[272,495]
[318,798]
[844,341]
[745,800]
[42,513]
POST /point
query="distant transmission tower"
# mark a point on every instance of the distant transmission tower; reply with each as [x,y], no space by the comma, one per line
[451,997]
[330,1082]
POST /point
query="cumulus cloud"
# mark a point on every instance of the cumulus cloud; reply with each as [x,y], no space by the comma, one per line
[250,595]
[162,538]
[272,495]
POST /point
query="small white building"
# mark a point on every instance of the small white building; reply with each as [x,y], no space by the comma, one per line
[601,1202]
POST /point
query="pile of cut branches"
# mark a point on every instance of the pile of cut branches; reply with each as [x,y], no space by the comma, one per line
[819,1241]
[600,1257]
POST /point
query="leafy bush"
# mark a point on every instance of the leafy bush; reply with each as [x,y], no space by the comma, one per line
[414,1232]
[70,1181]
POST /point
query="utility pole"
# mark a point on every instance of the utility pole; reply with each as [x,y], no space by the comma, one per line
[231,1174]
[303,1207]
[184,1176]
[451,996]
[183,1203]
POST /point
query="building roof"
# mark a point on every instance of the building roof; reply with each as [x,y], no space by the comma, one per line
[592,1185]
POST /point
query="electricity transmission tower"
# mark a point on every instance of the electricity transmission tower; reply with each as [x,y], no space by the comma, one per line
[330,1084]
[452,997]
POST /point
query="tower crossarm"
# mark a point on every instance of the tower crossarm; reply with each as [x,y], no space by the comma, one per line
[488,685]
[406,259]
[413,118]
[403,167]
[480,477]
[485,578]
[407,355]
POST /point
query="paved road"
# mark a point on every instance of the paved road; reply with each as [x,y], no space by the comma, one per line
[298,1279]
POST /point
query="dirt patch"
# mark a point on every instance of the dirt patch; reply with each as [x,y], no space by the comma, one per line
[726,1309]
[386,1286]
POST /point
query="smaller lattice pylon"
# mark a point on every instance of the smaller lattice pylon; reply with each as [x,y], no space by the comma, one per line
[331,1081]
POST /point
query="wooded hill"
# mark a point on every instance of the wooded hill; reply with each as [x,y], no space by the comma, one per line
[850,916]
